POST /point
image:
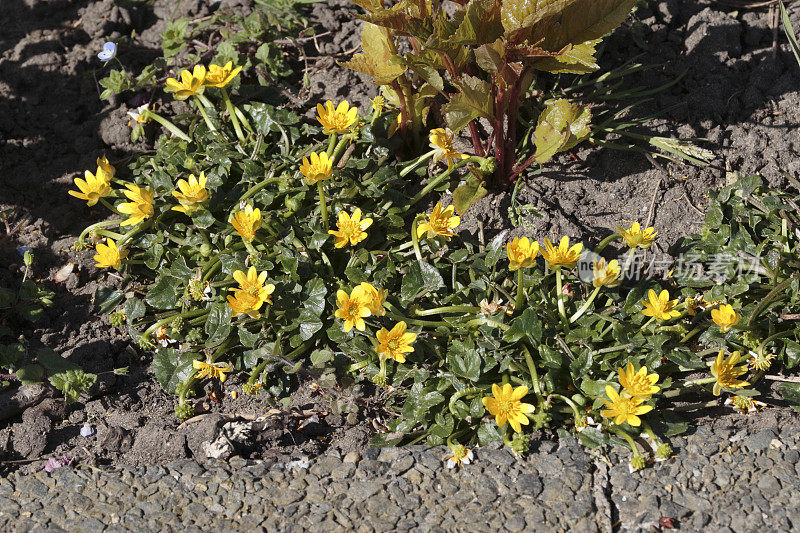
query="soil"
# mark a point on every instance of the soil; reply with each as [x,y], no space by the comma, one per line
[738,92]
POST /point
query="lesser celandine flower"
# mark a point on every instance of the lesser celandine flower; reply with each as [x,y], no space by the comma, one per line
[441,222]
[461,456]
[193,194]
[243,303]
[350,229]
[252,283]
[140,115]
[563,255]
[506,406]
[395,344]
[606,274]
[247,222]
[108,168]
[521,253]
[316,167]
[212,370]
[441,140]
[635,237]
[140,206]
[725,317]
[220,76]
[336,119]
[624,408]
[352,309]
[660,306]
[727,373]
[109,256]
[93,187]
[191,83]
[373,297]
[638,383]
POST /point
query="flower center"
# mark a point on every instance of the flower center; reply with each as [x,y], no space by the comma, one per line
[505,406]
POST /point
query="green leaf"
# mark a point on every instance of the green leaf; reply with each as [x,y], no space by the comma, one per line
[11,354]
[162,294]
[792,353]
[134,309]
[73,383]
[525,325]
[248,339]
[487,433]
[464,360]
[53,362]
[171,368]
[310,323]
[467,194]
[314,293]
[233,262]
[320,358]
[30,374]
[377,59]
[474,100]
[575,22]
[202,218]
[496,249]
[218,323]
[106,299]
[420,279]
[560,127]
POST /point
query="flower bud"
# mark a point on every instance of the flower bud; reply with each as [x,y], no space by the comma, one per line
[664,451]
[637,462]
[183,411]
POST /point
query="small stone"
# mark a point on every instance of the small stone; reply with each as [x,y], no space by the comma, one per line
[352,457]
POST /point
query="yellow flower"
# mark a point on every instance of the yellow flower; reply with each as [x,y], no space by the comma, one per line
[193,194]
[336,119]
[507,407]
[634,236]
[140,206]
[351,229]
[693,304]
[441,140]
[727,373]
[378,105]
[624,409]
[108,168]
[316,167]
[191,83]
[395,344]
[725,317]
[638,384]
[521,253]
[212,370]
[440,222]
[247,222]
[660,306]
[563,255]
[352,309]
[761,361]
[251,293]
[372,297]
[606,275]
[243,303]
[94,187]
[220,76]
[109,256]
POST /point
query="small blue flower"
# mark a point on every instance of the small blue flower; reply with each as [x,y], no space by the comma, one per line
[87,430]
[108,53]
[22,250]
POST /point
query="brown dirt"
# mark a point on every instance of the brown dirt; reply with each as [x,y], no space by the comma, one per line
[737,93]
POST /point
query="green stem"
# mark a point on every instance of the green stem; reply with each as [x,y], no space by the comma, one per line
[685,385]
[532,370]
[628,261]
[486,321]
[186,314]
[202,111]
[109,206]
[337,152]
[787,333]
[96,226]
[323,206]
[560,298]
[436,181]
[651,433]
[585,306]
[520,290]
[768,299]
[415,238]
[627,437]
[575,409]
[447,309]
[331,144]
[169,125]
[605,242]
[243,119]
[411,165]
[460,394]
[232,114]
[692,333]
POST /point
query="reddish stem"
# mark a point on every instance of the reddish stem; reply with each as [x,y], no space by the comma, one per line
[477,145]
